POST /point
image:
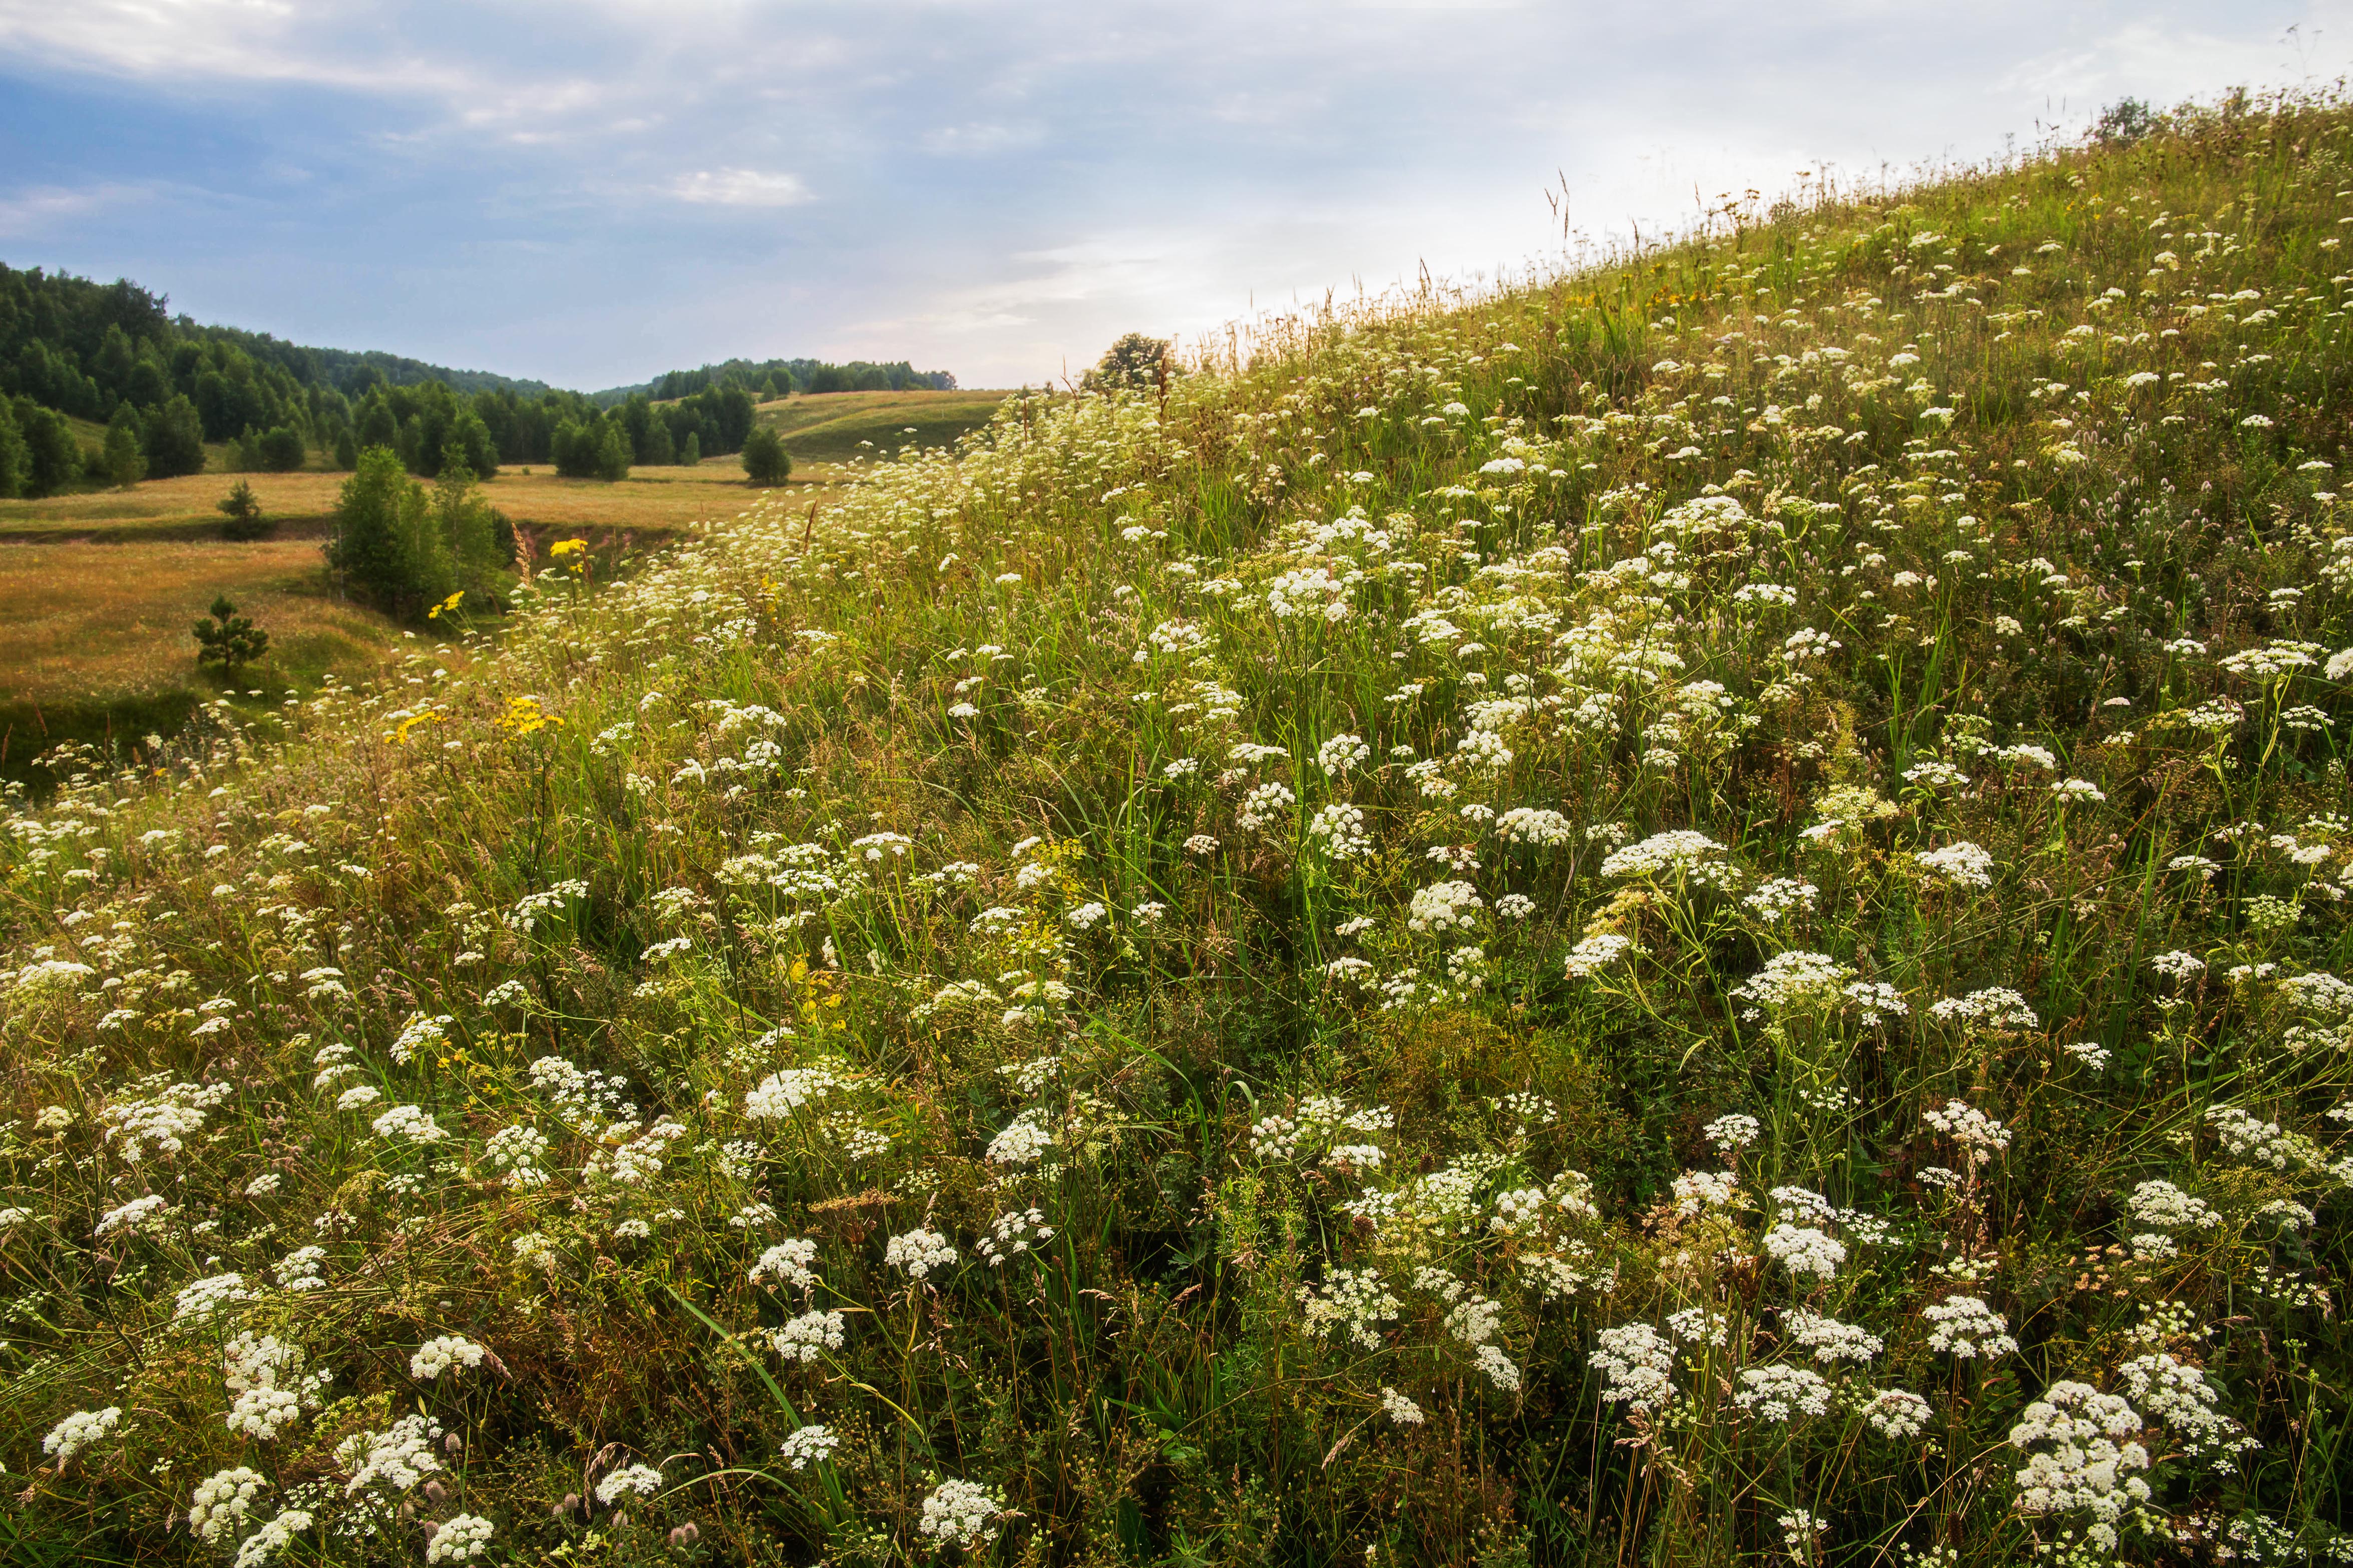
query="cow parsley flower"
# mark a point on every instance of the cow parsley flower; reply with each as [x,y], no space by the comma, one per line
[961,1512]
[2080,1455]
[805,1446]
[221,1502]
[444,1353]
[461,1538]
[1634,1360]
[633,1480]
[79,1431]
[1896,1413]
[1805,1250]
[920,1252]
[809,1336]
[1965,1327]
[1782,1393]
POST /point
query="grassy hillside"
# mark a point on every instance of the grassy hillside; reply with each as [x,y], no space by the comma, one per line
[1694,913]
[839,425]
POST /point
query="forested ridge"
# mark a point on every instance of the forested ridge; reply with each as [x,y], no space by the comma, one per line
[166,386]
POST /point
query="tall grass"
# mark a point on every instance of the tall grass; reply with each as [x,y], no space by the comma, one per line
[1687,913]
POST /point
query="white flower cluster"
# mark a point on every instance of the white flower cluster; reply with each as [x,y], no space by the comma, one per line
[1635,1362]
[788,1263]
[1023,1142]
[221,1502]
[1353,1301]
[461,1538]
[780,1094]
[921,1252]
[1597,952]
[1962,863]
[1970,1128]
[1794,979]
[960,1513]
[78,1431]
[1444,906]
[411,1122]
[1693,856]
[1831,1340]
[631,1480]
[1778,1392]
[1264,807]
[1342,752]
[1965,1327]
[2080,1455]
[809,1336]
[398,1456]
[1013,1233]
[1805,1250]
[1339,829]
[805,1446]
[444,1353]
[1534,824]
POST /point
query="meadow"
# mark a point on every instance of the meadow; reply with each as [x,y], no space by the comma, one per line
[1688,911]
[107,582]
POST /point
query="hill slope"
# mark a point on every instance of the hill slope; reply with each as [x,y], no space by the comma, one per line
[1689,913]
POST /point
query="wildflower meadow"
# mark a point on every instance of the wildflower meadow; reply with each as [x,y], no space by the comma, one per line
[1689,911]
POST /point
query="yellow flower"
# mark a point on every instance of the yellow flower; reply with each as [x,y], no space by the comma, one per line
[525,717]
[438,611]
[565,547]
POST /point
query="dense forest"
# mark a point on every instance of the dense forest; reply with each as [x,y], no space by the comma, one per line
[112,354]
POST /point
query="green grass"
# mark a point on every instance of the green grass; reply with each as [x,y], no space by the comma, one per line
[1758,815]
[840,425]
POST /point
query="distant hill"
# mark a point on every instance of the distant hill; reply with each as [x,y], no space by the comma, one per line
[771,378]
[352,372]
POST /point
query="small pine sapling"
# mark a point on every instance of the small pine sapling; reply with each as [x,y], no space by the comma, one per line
[229,642]
[243,510]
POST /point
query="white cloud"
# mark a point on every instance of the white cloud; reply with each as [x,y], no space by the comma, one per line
[740,188]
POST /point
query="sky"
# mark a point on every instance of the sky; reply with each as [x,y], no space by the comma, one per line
[593,191]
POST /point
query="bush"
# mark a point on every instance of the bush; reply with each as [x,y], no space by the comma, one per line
[765,461]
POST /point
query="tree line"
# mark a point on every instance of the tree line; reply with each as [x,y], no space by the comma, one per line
[770,379]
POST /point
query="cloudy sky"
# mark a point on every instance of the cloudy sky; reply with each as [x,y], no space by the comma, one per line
[595,191]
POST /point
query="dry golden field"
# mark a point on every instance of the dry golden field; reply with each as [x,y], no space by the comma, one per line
[650,500]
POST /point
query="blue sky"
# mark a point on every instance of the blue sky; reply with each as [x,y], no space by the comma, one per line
[593,192]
